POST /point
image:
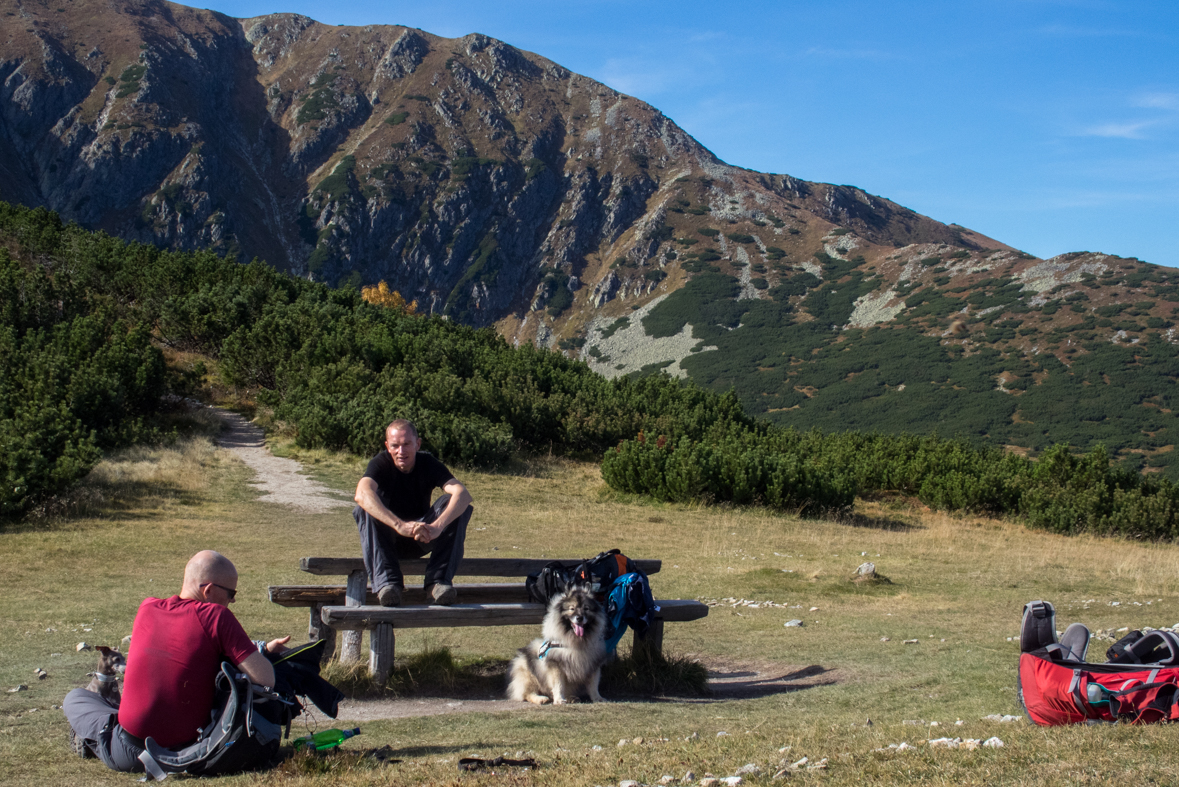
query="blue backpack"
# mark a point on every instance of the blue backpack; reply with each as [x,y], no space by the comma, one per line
[628,603]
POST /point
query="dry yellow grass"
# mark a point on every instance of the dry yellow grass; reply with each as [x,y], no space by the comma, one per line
[958,585]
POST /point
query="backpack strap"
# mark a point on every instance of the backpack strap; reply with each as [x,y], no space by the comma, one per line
[1157,647]
[1038,629]
[1120,652]
[1074,693]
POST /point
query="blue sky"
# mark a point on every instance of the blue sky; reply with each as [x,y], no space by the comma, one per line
[1050,125]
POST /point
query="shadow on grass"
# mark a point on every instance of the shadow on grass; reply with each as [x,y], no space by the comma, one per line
[854,519]
[127,500]
[744,682]
[431,673]
[362,762]
[636,677]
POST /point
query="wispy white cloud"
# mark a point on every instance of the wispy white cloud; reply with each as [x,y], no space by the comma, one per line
[1168,101]
[850,54]
[635,76]
[696,38]
[1077,31]
[1132,130]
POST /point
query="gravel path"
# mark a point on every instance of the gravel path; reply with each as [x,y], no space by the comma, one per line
[280,479]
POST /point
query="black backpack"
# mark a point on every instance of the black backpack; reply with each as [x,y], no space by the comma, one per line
[597,573]
[552,580]
[600,572]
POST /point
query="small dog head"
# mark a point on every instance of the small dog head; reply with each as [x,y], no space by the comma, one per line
[110,661]
[580,612]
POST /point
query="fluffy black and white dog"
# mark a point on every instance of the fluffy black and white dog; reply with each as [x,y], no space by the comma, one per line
[568,660]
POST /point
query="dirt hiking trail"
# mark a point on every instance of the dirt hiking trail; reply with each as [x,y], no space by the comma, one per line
[280,479]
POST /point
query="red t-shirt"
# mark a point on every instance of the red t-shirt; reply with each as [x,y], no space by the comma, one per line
[177,647]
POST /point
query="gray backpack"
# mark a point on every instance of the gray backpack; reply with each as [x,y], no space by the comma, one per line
[243,735]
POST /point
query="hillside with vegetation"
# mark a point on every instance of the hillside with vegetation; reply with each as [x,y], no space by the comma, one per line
[998,349]
[496,188]
[88,322]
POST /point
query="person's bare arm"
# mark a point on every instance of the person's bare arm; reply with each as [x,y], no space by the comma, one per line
[255,668]
[258,669]
[368,498]
[460,498]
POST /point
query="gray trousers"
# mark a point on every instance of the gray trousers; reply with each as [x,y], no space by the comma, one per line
[96,722]
[383,547]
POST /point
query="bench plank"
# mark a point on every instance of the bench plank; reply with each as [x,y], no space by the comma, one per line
[469,593]
[469,567]
[460,615]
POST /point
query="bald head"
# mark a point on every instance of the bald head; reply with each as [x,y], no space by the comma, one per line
[204,569]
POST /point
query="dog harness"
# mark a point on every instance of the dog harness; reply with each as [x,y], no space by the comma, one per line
[546,646]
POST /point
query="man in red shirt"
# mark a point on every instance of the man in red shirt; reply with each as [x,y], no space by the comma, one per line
[177,647]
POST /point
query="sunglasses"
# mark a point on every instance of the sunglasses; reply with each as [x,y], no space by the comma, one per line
[231,592]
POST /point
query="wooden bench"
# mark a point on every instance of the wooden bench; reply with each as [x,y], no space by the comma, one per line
[353,608]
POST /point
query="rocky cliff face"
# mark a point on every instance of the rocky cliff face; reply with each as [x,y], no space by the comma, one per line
[488,183]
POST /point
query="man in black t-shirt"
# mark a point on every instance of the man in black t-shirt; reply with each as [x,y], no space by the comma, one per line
[396,520]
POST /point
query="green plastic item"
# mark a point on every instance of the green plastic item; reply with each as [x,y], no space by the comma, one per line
[325,739]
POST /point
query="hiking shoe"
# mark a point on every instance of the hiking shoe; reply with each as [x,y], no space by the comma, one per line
[389,596]
[79,746]
[442,594]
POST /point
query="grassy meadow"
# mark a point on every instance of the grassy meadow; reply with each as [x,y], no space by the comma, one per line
[956,585]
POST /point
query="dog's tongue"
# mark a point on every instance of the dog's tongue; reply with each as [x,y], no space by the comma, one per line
[579,629]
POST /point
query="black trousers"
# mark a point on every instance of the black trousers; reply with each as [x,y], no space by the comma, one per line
[383,547]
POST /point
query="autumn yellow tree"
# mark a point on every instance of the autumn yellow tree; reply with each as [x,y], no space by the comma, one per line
[381,295]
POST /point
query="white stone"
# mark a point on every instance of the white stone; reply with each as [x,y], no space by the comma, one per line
[993,743]
[793,624]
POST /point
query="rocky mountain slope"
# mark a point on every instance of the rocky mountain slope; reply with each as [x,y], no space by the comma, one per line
[498,188]
[476,178]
